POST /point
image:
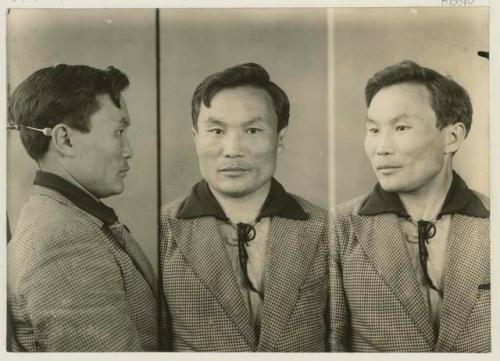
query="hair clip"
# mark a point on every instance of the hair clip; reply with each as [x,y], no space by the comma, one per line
[45,131]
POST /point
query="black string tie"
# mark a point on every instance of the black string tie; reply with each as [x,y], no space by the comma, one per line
[426,230]
[246,233]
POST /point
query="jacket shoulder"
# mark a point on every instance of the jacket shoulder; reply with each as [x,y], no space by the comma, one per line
[48,225]
[170,209]
[55,236]
[46,217]
[310,208]
[348,208]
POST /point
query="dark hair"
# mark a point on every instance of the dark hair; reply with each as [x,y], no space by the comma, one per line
[450,102]
[249,74]
[61,94]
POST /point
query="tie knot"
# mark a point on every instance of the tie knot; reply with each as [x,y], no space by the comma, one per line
[426,229]
[246,232]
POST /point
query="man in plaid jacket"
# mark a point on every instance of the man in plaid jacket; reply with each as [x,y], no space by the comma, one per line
[411,259]
[244,264]
[77,280]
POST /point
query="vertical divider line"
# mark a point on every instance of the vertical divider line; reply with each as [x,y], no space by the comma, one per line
[158,172]
[330,101]
[494,129]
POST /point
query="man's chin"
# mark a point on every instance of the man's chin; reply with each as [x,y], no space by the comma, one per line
[111,192]
[390,186]
[394,187]
[233,189]
[234,192]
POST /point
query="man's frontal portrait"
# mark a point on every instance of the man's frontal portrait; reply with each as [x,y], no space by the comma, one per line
[243,262]
[237,141]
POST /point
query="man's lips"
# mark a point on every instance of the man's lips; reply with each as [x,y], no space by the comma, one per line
[124,170]
[388,168]
[233,170]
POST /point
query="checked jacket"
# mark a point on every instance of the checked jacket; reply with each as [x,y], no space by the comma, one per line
[377,302]
[205,310]
[75,285]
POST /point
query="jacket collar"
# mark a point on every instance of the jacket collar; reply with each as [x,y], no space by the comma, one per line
[77,196]
[460,199]
[202,203]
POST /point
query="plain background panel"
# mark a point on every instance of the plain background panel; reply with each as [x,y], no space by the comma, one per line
[289,43]
[99,38]
[444,39]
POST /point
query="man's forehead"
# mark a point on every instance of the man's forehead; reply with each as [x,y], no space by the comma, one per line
[410,92]
[241,104]
[400,101]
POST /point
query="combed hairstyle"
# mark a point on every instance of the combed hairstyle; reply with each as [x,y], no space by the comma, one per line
[249,74]
[450,102]
[61,94]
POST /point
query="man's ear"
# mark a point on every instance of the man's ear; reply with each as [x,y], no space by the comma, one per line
[455,135]
[63,139]
[194,132]
[281,139]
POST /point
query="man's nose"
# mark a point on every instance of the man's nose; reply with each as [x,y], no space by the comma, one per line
[127,151]
[233,146]
[385,144]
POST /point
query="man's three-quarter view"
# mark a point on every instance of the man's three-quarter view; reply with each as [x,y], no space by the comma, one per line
[411,259]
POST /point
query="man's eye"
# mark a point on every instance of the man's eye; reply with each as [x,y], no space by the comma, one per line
[216,131]
[373,130]
[253,130]
[402,128]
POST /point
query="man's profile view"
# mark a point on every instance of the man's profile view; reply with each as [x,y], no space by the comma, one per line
[77,280]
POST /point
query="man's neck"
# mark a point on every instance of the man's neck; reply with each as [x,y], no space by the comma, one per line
[426,203]
[243,209]
[63,173]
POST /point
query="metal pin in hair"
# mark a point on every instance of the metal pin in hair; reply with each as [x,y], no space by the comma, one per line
[45,131]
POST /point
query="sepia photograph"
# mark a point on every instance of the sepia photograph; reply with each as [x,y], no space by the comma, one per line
[270,179]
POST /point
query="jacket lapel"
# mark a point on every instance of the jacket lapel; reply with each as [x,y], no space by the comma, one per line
[129,245]
[383,241]
[200,242]
[291,248]
[468,264]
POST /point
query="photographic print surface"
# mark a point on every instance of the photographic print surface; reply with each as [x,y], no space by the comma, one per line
[315,269]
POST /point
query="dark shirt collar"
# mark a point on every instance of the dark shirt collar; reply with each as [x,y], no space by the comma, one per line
[76,195]
[460,199]
[202,203]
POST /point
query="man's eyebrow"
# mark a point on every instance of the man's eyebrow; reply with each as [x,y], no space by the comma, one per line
[215,121]
[392,120]
[253,121]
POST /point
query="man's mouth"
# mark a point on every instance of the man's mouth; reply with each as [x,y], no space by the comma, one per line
[388,168]
[233,170]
